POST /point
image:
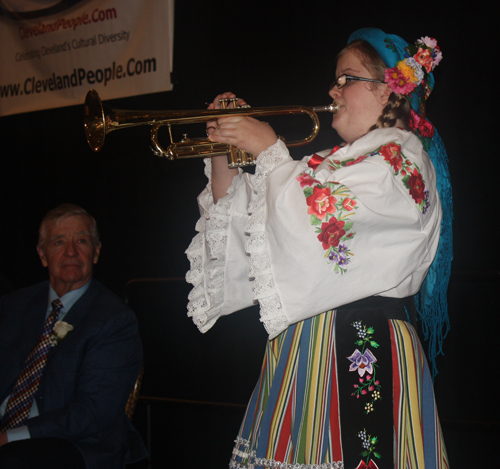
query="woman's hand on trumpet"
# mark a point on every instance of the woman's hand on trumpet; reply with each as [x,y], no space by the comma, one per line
[222,175]
[246,133]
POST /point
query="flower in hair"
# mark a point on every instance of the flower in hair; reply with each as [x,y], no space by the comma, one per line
[398,81]
[421,59]
[431,43]
[428,41]
[411,69]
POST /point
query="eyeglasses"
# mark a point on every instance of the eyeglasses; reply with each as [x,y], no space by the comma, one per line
[344,79]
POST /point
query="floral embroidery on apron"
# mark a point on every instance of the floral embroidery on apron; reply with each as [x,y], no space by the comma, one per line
[364,362]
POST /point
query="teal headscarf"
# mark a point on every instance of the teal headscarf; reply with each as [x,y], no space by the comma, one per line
[432,303]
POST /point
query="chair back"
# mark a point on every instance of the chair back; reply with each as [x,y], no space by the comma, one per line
[134,395]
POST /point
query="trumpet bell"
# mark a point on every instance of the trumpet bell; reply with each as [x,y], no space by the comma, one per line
[94,122]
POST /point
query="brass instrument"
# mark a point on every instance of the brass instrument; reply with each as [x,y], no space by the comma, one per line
[98,122]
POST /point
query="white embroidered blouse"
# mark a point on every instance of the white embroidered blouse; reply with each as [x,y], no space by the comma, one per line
[302,238]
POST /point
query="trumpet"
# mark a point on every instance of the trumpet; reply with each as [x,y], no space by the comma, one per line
[99,121]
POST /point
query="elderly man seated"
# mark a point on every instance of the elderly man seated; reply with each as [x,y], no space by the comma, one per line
[71,353]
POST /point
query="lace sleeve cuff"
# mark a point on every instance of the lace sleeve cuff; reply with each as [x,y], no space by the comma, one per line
[264,289]
[207,253]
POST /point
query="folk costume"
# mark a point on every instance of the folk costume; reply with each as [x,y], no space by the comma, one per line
[333,247]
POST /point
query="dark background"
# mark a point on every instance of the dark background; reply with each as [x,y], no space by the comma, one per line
[270,53]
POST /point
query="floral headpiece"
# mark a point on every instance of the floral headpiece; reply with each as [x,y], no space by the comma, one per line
[410,66]
[421,59]
[411,72]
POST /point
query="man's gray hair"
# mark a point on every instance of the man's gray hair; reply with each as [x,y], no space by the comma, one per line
[61,212]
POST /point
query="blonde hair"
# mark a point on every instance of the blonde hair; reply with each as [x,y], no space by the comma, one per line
[398,106]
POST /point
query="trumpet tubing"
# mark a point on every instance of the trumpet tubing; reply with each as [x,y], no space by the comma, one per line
[99,121]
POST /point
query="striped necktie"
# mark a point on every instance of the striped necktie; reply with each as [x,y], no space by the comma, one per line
[23,393]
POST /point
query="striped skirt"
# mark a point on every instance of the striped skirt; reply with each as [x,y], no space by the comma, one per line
[345,389]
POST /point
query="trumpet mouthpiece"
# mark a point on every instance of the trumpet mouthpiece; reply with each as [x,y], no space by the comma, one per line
[334,107]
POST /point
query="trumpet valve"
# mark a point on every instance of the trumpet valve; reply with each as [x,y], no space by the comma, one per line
[226,103]
[238,158]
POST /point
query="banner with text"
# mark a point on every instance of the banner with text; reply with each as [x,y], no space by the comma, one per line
[51,57]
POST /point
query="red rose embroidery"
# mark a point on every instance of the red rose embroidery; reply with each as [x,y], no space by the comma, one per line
[414,120]
[331,233]
[417,186]
[306,180]
[421,124]
[426,129]
[392,154]
[321,202]
[349,204]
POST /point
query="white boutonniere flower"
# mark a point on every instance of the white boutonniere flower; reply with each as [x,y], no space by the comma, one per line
[60,332]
